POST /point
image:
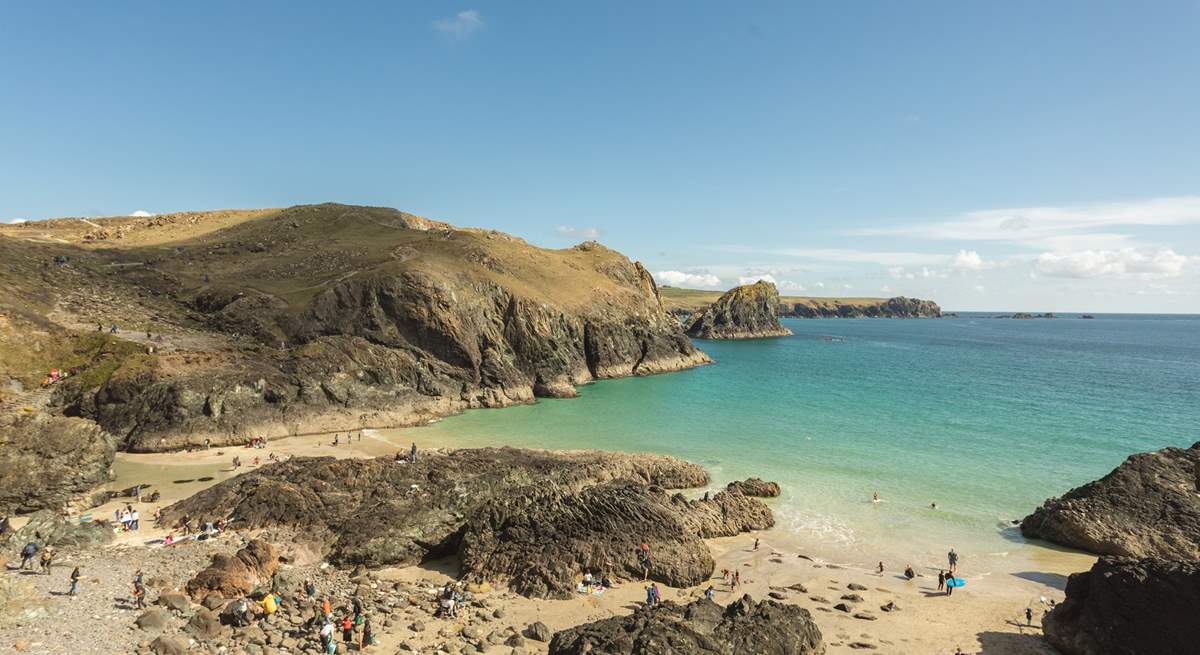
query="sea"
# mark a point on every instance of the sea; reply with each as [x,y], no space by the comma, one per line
[982,416]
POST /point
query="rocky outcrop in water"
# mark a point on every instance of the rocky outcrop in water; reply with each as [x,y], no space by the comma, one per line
[745,312]
[1149,506]
[538,540]
[701,628]
[898,307]
[756,487]
[1126,606]
[47,462]
[500,509]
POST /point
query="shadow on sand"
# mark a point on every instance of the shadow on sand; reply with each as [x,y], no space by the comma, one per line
[1055,580]
[1008,643]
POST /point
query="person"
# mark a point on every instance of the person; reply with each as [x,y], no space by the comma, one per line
[47,559]
[357,604]
[207,443]
[326,608]
[139,591]
[327,638]
[270,603]
[134,519]
[909,573]
[587,578]
[941,580]
[880,568]
[649,597]
[737,578]
[606,582]
[337,438]
[237,462]
[952,557]
[368,635]
[932,505]
[950,583]
[756,543]
[724,575]
[875,498]
[708,593]
[27,554]
[657,593]
[1028,616]
[412,454]
[169,540]
[310,589]
[76,576]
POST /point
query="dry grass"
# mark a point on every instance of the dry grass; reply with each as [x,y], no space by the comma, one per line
[690,300]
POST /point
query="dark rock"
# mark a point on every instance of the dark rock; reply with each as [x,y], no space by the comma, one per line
[701,627]
[866,616]
[854,586]
[1149,506]
[777,595]
[1126,606]
[405,513]
[237,575]
[537,541]
[889,607]
[842,607]
[755,487]
[537,631]
[899,307]
[745,312]
[853,598]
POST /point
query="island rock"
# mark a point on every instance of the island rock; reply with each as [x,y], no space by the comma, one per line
[745,312]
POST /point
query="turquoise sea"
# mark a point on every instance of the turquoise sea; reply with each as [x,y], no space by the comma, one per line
[986,417]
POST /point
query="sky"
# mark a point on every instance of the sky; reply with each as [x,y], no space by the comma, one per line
[991,156]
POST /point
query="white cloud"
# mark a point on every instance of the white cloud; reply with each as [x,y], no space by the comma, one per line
[1055,228]
[142,213]
[14,221]
[885,289]
[790,285]
[819,285]
[968,261]
[578,232]
[751,279]
[681,279]
[1137,263]
[461,25]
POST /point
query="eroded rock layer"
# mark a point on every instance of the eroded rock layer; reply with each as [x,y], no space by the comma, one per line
[745,312]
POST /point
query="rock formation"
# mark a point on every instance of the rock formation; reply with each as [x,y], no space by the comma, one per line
[502,510]
[1126,606]
[755,487]
[46,462]
[745,312]
[234,576]
[538,540]
[686,302]
[701,628]
[1149,506]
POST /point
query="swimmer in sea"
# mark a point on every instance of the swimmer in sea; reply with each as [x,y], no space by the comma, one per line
[875,498]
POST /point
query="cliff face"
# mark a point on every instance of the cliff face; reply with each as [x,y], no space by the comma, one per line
[1149,506]
[745,312]
[325,317]
[47,461]
[1128,606]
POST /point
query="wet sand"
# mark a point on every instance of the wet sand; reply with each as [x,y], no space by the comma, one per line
[986,616]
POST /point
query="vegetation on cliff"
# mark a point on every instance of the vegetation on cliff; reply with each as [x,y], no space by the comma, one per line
[745,312]
[685,302]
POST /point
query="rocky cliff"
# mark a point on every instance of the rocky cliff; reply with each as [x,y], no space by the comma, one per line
[48,461]
[745,312]
[271,322]
[1149,506]
[1125,606]
[685,302]
[701,627]
[531,520]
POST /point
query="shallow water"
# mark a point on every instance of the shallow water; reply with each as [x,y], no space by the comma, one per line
[985,417]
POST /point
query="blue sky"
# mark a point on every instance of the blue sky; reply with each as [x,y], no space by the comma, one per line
[1017,155]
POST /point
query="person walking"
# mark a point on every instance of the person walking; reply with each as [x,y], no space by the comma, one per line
[27,554]
[76,576]
[881,568]
[941,580]
[47,559]
[756,543]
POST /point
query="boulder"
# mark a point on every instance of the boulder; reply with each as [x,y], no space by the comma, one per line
[745,312]
[238,575]
[755,487]
[170,645]
[174,602]
[701,627]
[154,619]
[50,528]
[1149,506]
[204,624]
[537,631]
[1127,606]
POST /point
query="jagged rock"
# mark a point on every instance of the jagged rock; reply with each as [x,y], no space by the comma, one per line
[745,312]
[1149,506]
[1126,606]
[842,607]
[889,607]
[46,462]
[397,524]
[238,575]
[755,487]
[540,539]
[898,307]
[538,631]
[701,627]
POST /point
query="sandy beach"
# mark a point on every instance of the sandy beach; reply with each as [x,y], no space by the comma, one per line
[987,616]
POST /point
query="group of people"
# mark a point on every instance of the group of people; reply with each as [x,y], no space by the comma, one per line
[732,578]
[412,456]
[29,553]
[353,620]
[129,518]
[591,584]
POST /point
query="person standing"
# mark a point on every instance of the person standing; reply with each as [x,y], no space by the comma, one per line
[881,568]
[756,543]
[952,557]
[412,454]
[135,518]
[47,559]
[1028,616]
[367,636]
[139,591]
[708,593]
[941,580]
[347,631]
[76,576]
[27,554]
